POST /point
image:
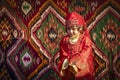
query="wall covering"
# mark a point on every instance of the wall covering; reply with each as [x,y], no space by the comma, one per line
[30,32]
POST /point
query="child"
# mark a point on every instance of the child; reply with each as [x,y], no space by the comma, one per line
[76,58]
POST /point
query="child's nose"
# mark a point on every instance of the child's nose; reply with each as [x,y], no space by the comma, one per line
[71,31]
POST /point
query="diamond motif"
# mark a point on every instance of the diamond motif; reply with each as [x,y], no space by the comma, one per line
[111,36]
[52,34]
[52,31]
[5,33]
[26,59]
[10,31]
[26,7]
[106,33]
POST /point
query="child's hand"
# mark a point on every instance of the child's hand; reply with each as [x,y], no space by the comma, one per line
[62,72]
[65,64]
[73,68]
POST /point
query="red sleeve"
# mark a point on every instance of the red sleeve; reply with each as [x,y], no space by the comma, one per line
[85,62]
[63,53]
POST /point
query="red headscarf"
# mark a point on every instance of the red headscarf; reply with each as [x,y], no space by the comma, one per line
[74,18]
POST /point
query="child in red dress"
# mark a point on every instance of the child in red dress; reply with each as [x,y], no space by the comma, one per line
[76,57]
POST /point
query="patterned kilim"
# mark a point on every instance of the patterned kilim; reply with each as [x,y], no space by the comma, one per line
[31,30]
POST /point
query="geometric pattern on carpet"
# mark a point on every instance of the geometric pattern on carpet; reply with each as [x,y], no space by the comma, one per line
[101,64]
[10,31]
[51,74]
[116,64]
[100,16]
[86,8]
[48,31]
[6,73]
[2,57]
[104,32]
[60,6]
[25,9]
[25,61]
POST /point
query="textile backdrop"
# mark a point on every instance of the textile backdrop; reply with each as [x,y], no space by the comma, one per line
[30,32]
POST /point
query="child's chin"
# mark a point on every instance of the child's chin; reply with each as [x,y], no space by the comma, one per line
[73,36]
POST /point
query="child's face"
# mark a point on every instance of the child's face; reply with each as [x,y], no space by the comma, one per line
[73,31]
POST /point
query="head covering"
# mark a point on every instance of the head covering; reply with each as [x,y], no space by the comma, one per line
[74,18]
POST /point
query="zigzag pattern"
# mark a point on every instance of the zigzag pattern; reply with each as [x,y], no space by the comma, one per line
[30,33]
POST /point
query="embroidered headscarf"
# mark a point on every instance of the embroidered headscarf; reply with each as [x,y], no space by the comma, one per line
[74,18]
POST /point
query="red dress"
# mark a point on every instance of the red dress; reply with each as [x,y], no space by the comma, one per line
[81,54]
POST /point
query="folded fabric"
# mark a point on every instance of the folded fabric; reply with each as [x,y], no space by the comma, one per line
[73,69]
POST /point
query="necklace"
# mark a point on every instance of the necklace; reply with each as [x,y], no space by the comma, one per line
[73,40]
